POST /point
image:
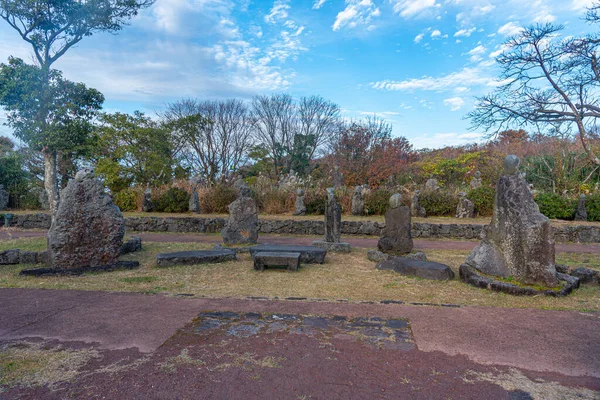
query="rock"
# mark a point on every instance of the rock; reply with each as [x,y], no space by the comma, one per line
[28,257]
[147,204]
[396,236]
[194,203]
[376,256]
[432,184]
[238,184]
[3,198]
[476,180]
[87,228]
[519,242]
[300,207]
[194,257]
[242,225]
[465,207]
[334,247]
[43,199]
[581,213]
[308,254]
[420,269]
[416,210]
[120,265]
[10,257]
[586,275]
[418,255]
[132,245]
[333,218]
[358,204]
[338,177]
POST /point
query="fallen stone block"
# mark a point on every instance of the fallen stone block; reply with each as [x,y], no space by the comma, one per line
[308,254]
[29,257]
[334,247]
[420,269]
[9,257]
[132,245]
[265,259]
[194,257]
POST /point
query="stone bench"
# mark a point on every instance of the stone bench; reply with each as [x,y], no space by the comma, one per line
[271,258]
[308,254]
[194,257]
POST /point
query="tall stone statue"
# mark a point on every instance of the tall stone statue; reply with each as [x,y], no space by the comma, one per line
[396,237]
[333,226]
[416,210]
[242,225]
[300,207]
[338,177]
[358,204]
[581,213]
[519,242]
[476,180]
[147,203]
[87,229]
[465,207]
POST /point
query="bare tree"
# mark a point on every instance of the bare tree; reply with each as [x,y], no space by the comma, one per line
[275,125]
[320,118]
[547,81]
[212,136]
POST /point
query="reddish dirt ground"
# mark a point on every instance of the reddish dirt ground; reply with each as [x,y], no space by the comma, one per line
[171,348]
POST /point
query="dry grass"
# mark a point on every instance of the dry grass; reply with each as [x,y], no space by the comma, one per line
[343,276]
[30,365]
[376,218]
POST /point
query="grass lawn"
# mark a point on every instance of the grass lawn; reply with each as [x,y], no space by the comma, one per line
[343,276]
[376,218]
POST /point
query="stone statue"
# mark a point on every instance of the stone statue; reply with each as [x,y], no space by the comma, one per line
[581,213]
[396,237]
[476,180]
[300,207]
[465,207]
[416,210]
[242,225]
[358,204]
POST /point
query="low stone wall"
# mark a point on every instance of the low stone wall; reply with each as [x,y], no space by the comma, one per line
[563,233]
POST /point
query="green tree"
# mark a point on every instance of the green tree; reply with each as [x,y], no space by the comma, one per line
[52,27]
[133,149]
[12,175]
[46,111]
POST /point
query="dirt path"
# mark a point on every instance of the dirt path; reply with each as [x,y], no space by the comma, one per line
[293,350]
[420,244]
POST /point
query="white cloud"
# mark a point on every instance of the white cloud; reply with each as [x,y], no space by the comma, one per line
[279,11]
[474,12]
[318,4]
[357,12]
[582,4]
[464,32]
[463,78]
[419,37]
[476,53]
[410,8]
[455,103]
[435,33]
[510,29]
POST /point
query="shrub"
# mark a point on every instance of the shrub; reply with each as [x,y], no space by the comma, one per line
[126,200]
[592,205]
[315,202]
[555,206]
[439,203]
[377,201]
[483,198]
[276,201]
[216,199]
[174,200]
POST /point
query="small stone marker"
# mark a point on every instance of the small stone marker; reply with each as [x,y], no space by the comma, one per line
[581,213]
[147,204]
[465,207]
[242,225]
[87,228]
[421,269]
[10,257]
[300,207]
[476,180]
[194,203]
[396,236]
[416,210]
[333,226]
[358,204]
[194,257]
[308,254]
[3,198]
[265,258]
[519,242]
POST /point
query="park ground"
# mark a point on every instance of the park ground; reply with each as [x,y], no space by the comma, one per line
[337,330]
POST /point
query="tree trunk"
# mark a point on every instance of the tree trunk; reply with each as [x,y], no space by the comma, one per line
[50,179]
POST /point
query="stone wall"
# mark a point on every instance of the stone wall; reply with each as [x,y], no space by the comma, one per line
[563,233]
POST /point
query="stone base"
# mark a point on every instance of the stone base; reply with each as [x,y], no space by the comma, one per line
[308,254]
[421,269]
[585,275]
[78,271]
[194,257]
[473,277]
[334,247]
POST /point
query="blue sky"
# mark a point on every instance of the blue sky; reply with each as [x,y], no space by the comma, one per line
[416,63]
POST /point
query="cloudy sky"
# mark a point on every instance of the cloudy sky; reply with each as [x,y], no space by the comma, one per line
[416,63]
